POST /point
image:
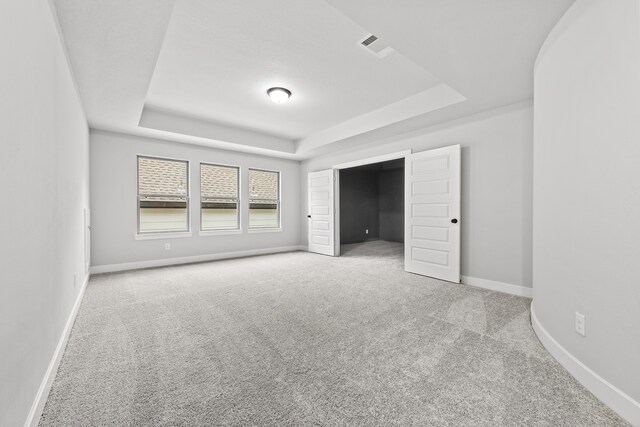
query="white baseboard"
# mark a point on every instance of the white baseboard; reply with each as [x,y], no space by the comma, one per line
[507,288]
[191,259]
[617,400]
[45,386]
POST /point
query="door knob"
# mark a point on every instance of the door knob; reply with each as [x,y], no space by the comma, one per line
[454,220]
[308,216]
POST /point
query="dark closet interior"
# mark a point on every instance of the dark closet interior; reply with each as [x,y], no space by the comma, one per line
[372,202]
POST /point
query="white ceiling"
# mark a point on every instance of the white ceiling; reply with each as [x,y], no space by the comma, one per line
[222,71]
[196,71]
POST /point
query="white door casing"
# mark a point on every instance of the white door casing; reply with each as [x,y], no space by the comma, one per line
[320,217]
[432,213]
[87,239]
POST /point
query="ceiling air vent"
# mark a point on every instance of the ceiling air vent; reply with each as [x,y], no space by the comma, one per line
[375,46]
[369,40]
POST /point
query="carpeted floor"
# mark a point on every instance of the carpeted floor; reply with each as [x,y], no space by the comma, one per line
[299,339]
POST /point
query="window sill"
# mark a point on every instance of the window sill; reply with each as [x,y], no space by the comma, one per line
[158,236]
[218,232]
[264,230]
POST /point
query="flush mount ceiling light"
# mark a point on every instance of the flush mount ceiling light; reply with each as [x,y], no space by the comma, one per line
[279,95]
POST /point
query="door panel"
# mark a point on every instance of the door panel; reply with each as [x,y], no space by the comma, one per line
[320,218]
[432,201]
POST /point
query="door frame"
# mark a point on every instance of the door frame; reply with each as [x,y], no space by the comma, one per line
[336,186]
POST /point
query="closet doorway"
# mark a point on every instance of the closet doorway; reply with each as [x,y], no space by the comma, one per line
[371,204]
[346,207]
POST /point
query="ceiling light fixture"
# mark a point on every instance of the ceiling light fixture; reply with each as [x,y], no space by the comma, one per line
[279,95]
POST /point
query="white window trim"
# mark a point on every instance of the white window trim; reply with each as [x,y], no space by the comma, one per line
[264,230]
[162,235]
[272,229]
[218,232]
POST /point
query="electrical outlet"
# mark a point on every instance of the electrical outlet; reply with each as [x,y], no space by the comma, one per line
[366,231]
[580,324]
[167,246]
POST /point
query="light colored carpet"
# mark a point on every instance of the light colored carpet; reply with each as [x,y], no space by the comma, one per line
[299,339]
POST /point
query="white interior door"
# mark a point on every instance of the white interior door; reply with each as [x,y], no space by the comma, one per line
[432,213]
[320,218]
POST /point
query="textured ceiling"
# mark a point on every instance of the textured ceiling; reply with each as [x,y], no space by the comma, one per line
[196,71]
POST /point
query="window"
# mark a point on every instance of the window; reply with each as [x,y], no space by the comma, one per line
[163,195]
[264,199]
[219,197]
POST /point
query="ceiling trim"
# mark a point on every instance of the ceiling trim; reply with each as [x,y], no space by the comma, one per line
[187,139]
[429,100]
[171,122]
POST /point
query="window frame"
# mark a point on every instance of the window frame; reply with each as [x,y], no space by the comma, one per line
[219,231]
[278,202]
[142,235]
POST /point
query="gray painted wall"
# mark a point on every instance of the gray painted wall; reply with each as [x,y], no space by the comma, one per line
[359,205]
[113,201]
[44,182]
[391,204]
[587,188]
[497,176]
[372,198]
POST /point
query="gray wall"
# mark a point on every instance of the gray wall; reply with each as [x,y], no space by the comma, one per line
[359,205]
[587,188]
[497,176]
[113,201]
[391,204]
[44,182]
[372,198]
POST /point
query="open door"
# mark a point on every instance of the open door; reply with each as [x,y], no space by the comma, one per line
[432,213]
[320,217]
